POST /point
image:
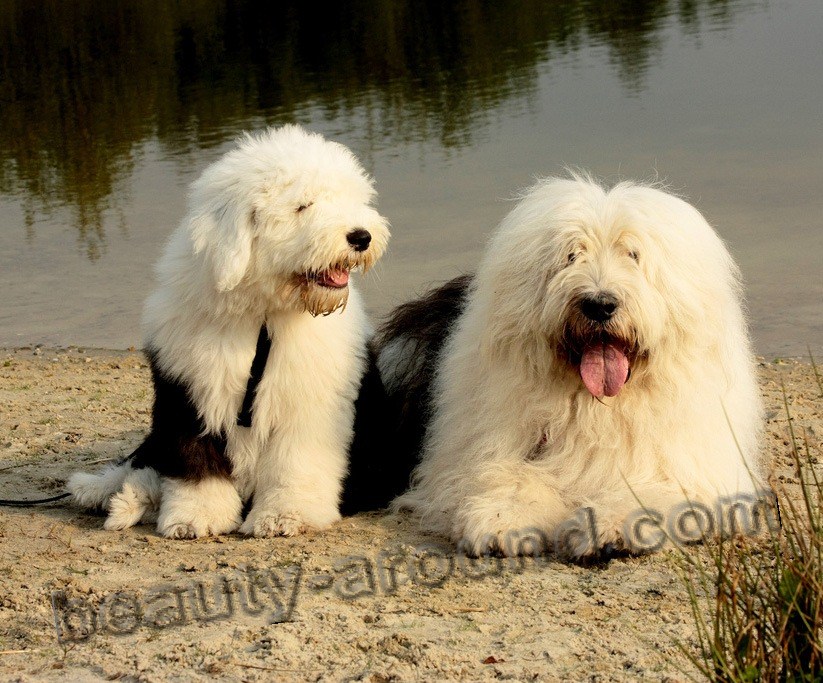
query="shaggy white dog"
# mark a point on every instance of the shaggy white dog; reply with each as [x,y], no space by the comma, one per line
[272,232]
[600,361]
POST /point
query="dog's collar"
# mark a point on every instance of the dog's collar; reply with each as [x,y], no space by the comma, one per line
[258,365]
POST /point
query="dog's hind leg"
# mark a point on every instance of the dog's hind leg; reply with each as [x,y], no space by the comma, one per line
[94,491]
[379,463]
[138,500]
[129,493]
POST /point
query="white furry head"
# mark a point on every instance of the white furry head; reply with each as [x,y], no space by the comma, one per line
[283,217]
[607,284]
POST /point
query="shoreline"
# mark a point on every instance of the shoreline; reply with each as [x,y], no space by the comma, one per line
[96,351]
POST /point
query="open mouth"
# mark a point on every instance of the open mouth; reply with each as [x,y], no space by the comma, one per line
[333,278]
[324,289]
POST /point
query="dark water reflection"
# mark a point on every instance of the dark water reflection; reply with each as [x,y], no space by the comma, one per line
[84,82]
[108,109]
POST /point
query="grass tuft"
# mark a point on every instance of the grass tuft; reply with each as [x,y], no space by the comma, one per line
[758,606]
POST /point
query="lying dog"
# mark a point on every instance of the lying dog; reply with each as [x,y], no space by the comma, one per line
[598,360]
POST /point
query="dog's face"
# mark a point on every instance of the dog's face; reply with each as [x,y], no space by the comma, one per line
[313,229]
[609,282]
[288,216]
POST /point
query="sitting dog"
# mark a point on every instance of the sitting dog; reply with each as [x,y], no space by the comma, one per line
[255,380]
[598,361]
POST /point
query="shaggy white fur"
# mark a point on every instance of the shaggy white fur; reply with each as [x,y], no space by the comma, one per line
[137,498]
[208,507]
[541,410]
[267,240]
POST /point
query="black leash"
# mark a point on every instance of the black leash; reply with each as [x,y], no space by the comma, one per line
[258,365]
[30,503]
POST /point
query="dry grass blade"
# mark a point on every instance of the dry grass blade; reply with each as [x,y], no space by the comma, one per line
[816,373]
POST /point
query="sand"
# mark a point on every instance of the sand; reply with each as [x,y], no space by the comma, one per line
[371,599]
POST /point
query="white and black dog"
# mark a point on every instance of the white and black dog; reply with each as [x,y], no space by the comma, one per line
[598,361]
[255,382]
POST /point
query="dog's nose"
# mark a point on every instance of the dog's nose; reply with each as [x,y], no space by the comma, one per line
[599,308]
[359,239]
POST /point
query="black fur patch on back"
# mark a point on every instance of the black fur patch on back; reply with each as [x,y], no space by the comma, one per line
[423,324]
[376,474]
[390,426]
[177,445]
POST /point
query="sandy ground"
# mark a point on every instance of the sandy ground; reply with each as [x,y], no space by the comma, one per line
[324,606]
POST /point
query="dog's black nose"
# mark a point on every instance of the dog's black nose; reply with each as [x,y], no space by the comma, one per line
[359,239]
[599,308]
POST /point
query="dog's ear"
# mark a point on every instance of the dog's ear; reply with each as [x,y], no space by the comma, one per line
[225,234]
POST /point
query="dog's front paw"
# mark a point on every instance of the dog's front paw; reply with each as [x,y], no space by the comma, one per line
[589,536]
[271,524]
[497,534]
[210,507]
[184,528]
[509,543]
[181,531]
[481,544]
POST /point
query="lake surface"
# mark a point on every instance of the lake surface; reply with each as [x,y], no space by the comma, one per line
[108,110]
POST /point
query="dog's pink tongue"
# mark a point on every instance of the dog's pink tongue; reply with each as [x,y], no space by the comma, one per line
[604,369]
[338,277]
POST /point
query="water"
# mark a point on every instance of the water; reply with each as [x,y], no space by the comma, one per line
[108,111]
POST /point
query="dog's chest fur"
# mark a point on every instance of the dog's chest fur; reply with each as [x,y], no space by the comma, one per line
[305,376]
[194,427]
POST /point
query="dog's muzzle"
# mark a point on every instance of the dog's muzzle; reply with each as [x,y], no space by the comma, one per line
[594,345]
